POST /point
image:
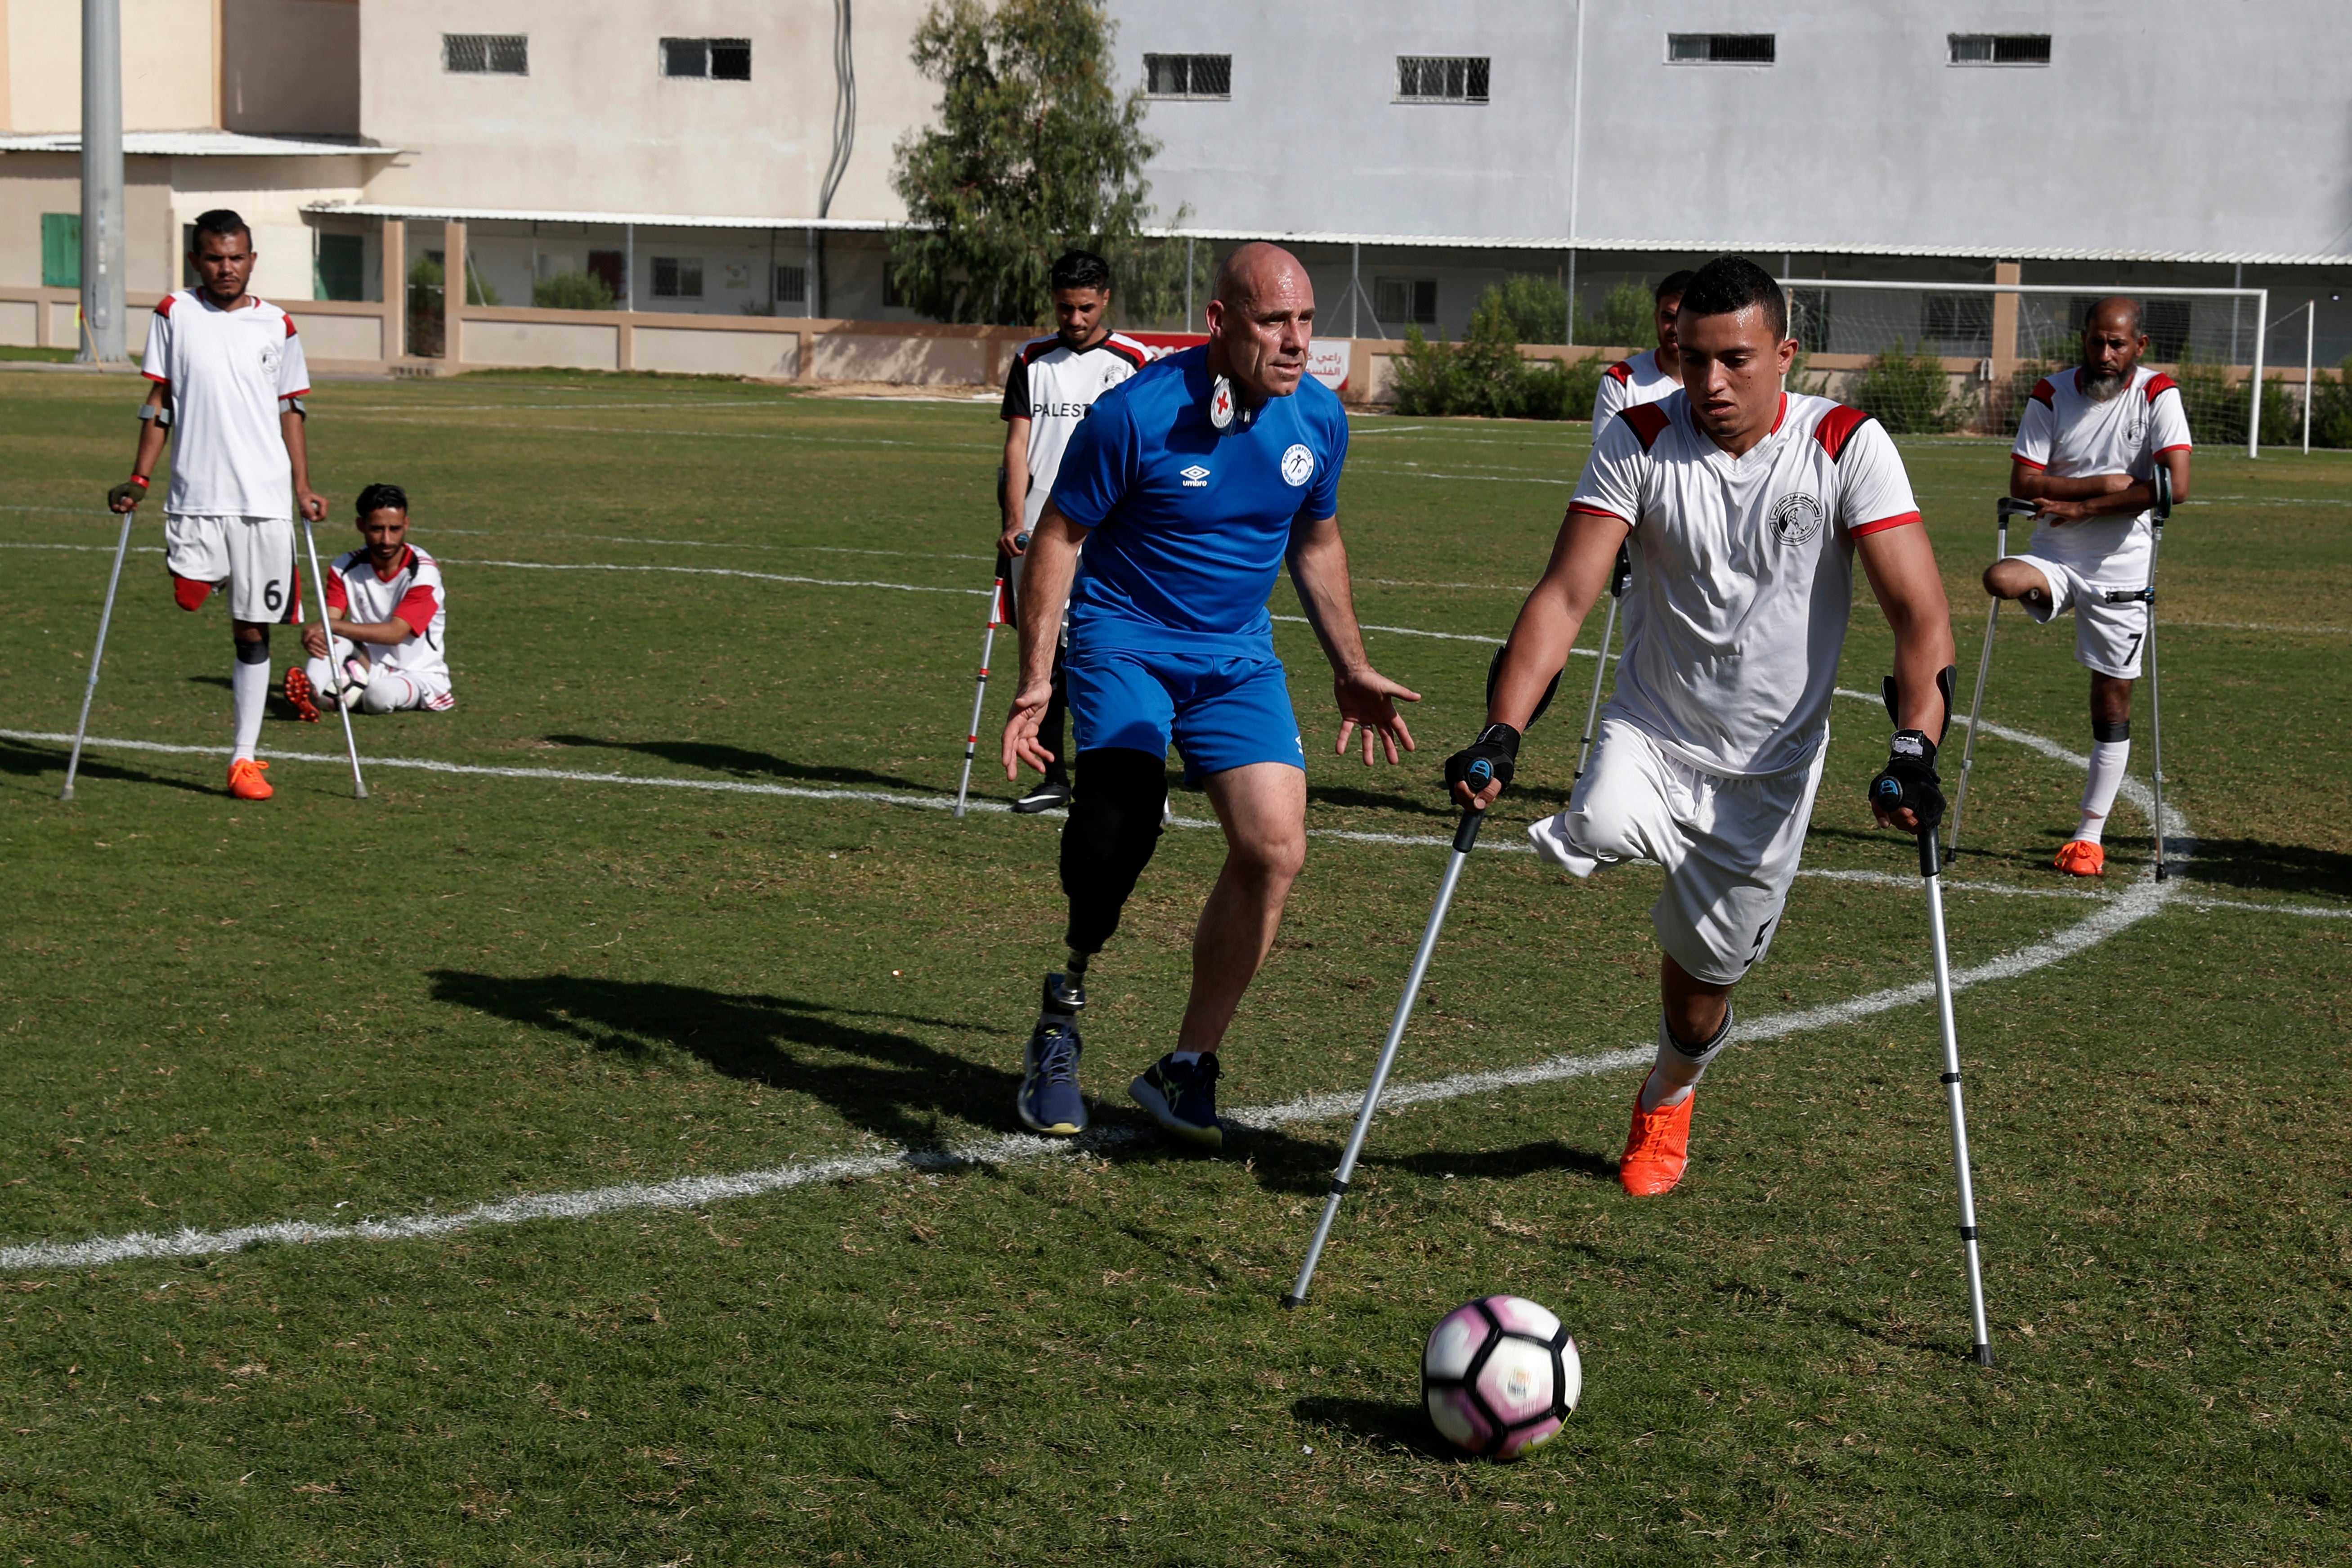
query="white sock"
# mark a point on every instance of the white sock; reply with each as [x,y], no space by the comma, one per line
[250,682]
[2108,758]
[1678,1069]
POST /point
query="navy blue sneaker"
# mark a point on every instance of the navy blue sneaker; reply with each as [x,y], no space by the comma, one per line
[1050,1102]
[1183,1098]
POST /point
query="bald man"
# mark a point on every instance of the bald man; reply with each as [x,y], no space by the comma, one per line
[1191,484]
[2086,452]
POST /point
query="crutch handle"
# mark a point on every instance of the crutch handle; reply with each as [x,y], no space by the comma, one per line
[2012,506]
[2162,480]
[1930,861]
[1466,834]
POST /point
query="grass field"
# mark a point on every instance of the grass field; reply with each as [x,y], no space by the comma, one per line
[486,986]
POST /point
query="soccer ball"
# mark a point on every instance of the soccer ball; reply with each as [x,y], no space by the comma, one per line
[1500,1375]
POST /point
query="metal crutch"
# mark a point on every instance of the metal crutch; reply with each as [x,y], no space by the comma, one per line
[2162,479]
[2010,507]
[105,617]
[1464,837]
[1619,575]
[326,625]
[980,693]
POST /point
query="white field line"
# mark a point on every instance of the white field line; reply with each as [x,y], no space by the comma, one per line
[714,571]
[2139,901]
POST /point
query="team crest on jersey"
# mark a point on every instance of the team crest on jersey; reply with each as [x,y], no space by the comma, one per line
[1796,518]
[1297,466]
[1221,403]
[270,355]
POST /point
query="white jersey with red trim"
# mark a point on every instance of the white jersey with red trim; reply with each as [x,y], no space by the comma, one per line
[1743,573]
[2070,436]
[228,372]
[1052,386]
[1628,382]
[414,593]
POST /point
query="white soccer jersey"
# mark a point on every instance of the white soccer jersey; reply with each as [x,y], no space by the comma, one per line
[2070,436]
[1743,573]
[1627,383]
[1052,386]
[227,370]
[413,594]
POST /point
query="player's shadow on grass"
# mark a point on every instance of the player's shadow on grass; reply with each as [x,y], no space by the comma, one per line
[1285,1164]
[1394,1424]
[19,760]
[2274,868]
[1422,803]
[886,1083]
[743,763]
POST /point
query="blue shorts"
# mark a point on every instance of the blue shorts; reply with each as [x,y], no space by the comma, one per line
[1223,711]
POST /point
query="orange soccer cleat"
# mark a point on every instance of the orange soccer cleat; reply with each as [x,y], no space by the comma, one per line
[2080,858]
[244,780]
[299,695]
[1657,1148]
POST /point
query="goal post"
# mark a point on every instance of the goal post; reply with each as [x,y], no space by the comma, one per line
[1929,358]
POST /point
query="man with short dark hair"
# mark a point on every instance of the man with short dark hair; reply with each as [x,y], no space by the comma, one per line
[2087,448]
[385,646]
[1746,508]
[1054,381]
[1652,375]
[229,378]
[1191,486]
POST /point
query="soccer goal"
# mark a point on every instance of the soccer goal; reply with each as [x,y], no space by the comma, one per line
[1927,358]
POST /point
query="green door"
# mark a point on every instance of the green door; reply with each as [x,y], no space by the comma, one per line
[61,250]
[343,266]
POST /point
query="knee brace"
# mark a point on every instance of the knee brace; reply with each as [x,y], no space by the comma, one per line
[254,652]
[189,593]
[1114,826]
[2104,731]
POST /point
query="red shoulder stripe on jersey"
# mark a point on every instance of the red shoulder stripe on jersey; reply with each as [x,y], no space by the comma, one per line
[1649,422]
[1134,356]
[1837,428]
[2159,384]
[1781,416]
[339,597]
[417,608]
[1622,371]
[2021,458]
[1030,353]
[1882,524]
[163,305]
[2046,393]
[289,326]
[1588,511]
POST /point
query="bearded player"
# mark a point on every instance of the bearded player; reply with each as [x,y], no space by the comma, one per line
[385,645]
[1745,509]
[2086,452]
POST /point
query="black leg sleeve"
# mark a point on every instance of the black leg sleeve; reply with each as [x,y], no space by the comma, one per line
[1114,826]
[1051,727]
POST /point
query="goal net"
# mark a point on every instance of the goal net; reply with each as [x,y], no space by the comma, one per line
[1930,358]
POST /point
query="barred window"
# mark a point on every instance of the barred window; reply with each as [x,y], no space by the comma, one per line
[719,60]
[2000,48]
[1442,78]
[1188,76]
[486,54]
[677,277]
[1410,301]
[1722,48]
[791,285]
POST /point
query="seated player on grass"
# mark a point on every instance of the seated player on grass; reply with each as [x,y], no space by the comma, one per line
[1746,508]
[388,645]
[2088,446]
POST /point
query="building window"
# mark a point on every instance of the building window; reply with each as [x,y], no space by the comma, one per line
[1964,320]
[1440,78]
[1721,48]
[791,286]
[1188,76]
[486,54]
[1410,301]
[342,271]
[719,60]
[677,277]
[2000,48]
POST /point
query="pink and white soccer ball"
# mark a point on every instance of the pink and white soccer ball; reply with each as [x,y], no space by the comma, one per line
[1500,1375]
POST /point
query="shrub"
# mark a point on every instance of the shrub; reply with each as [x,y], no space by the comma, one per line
[1908,392]
[571,291]
[1628,319]
[1484,377]
[2331,410]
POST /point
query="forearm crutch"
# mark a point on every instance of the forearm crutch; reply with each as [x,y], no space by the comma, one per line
[1619,575]
[2162,480]
[335,667]
[105,617]
[1464,837]
[980,692]
[2008,508]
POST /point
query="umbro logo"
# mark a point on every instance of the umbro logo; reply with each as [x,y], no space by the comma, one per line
[1195,478]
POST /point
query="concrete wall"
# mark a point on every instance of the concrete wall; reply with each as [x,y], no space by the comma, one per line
[695,352]
[169,83]
[291,67]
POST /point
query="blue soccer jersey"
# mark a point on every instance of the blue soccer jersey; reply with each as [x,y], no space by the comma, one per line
[1188,523]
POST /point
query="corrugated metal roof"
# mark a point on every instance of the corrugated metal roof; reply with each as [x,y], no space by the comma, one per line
[1554,243]
[200,144]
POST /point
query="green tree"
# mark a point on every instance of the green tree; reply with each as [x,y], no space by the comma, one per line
[1628,319]
[1034,154]
[1909,392]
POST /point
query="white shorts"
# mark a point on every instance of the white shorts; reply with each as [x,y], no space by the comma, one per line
[2108,636]
[387,690]
[254,555]
[1729,846]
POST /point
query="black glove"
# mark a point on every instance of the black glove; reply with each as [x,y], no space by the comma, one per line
[1487,760]
[1909,779]
[127,495]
